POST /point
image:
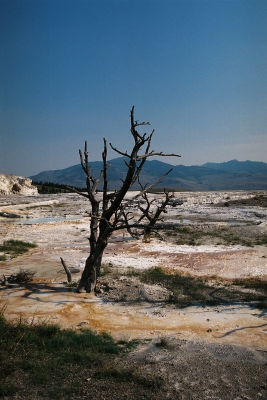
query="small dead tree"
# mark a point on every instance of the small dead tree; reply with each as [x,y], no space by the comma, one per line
[110,212]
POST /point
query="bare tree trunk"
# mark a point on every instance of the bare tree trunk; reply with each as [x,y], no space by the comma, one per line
[113,215]
[91,273]
[93,263]
[68,273]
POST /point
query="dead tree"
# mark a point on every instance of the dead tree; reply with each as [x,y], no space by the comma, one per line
[109,210]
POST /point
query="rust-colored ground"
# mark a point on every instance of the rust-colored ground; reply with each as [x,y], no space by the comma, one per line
[48,299]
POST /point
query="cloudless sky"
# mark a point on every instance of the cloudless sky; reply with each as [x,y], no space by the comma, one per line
[70,70]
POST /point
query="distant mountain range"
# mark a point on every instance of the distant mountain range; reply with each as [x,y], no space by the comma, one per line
[231,175]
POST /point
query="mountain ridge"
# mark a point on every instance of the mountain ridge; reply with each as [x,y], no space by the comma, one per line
[230,175]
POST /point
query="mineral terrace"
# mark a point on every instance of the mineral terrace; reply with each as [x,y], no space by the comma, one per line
[227,230]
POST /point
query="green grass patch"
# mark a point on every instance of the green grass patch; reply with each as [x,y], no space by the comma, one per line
[16,247]
[44,360]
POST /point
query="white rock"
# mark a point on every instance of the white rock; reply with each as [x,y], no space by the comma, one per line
[10,184]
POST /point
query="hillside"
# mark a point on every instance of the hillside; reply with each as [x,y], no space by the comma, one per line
[239,166]
[231,175]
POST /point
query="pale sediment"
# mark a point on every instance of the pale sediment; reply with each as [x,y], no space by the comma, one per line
[48,298]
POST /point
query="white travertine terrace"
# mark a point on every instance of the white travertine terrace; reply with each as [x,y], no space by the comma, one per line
[10,184]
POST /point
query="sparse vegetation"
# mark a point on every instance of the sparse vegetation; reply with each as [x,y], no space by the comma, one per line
[44,361]
[197,235]
[16,247]
[57,205]
[252,283]
[21,277]
[40,207]
[105,269]
[263,240]
[185,290]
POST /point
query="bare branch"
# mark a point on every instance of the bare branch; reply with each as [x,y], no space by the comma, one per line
[153,153]
[148,187]
[140,166]
[105,168]
[134,124]
[119,152]
[137,123]
[158,234]
[96,182]
[81,160]
[127,165]
[78,192]
[115,214]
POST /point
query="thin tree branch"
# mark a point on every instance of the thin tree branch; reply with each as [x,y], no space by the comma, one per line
[78,192]
[154,153]
[119,152]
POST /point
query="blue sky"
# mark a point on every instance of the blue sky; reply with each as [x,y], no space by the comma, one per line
[71,70]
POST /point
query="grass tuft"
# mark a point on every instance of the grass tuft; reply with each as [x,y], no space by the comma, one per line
[188,235]
[44,359]
[16,247]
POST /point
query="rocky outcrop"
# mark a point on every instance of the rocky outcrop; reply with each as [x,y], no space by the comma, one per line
[10,184]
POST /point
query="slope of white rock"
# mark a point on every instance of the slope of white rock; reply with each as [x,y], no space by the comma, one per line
[10,184]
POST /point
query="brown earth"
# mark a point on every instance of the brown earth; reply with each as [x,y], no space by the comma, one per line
[256,201]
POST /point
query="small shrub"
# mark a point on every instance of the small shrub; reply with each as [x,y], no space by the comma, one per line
[23,276]
[105,269]
[182,229]
[262,241]
[247,243]
[131,271]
